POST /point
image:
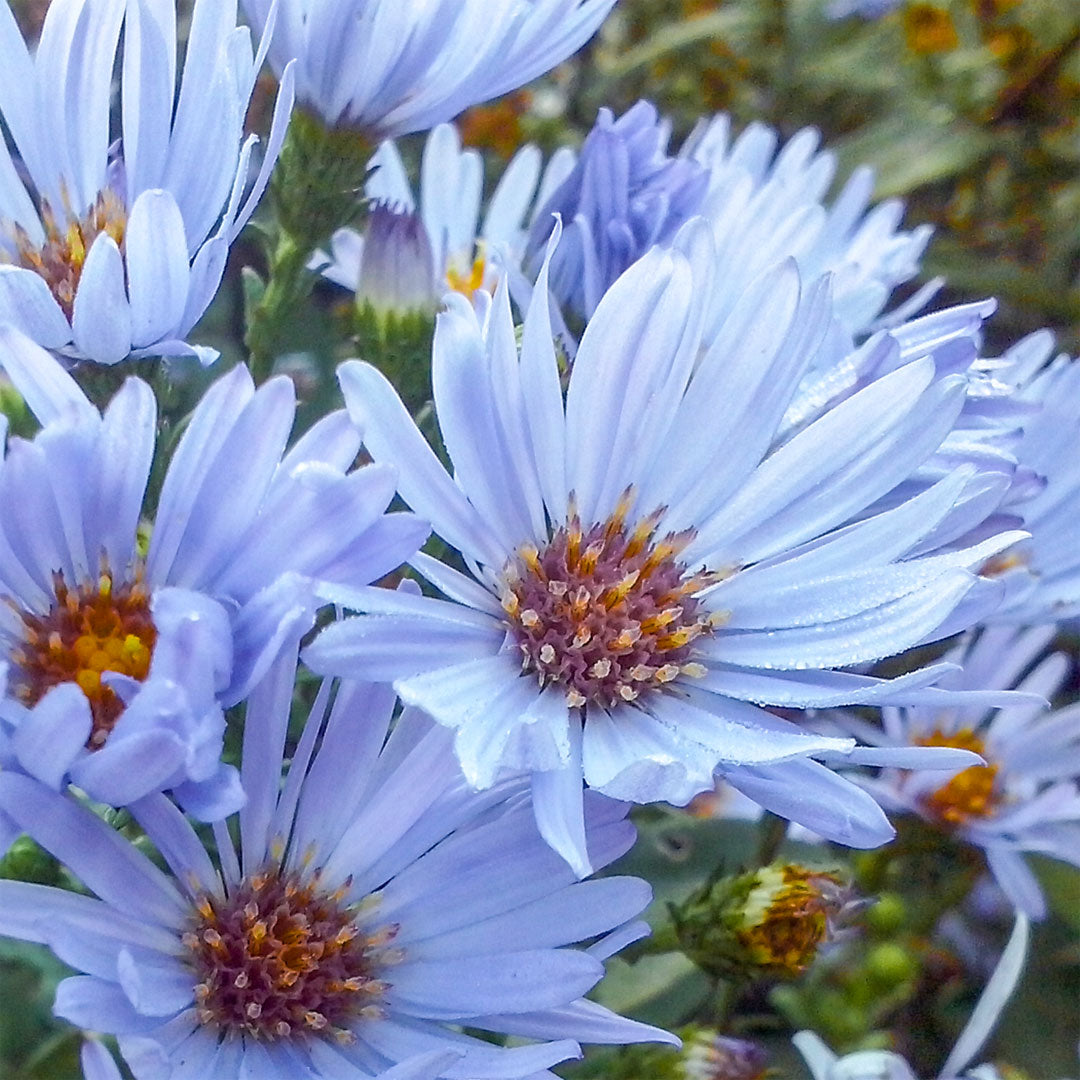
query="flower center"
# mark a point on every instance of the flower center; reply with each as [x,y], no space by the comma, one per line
[469,281]
[87,631]
[280,957]
[970,793]
[793,917]
[606,612]
[60,259]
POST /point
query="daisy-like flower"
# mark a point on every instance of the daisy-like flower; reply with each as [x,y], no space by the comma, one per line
[1026,797]
[122,651]
[439,239]
[388,68]
[647,563]
[112,249]
[624,195]
[370,906]
[885,1065]
[1044,572]
[764,203]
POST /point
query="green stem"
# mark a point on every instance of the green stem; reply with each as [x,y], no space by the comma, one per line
[316,188]
[772,831]
[288,286]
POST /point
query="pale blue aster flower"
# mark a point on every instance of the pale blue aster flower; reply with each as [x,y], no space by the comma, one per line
[110,249]
[464,249]
[122,653]
[364,910]
[1026,798]
[648,563]
[1043,573]
[388,68]
[765,202]
[886,1065]
[625,194]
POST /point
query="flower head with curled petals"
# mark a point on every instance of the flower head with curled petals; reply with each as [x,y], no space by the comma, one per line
[122,655]
[108,253]
[651,558]
[363,912]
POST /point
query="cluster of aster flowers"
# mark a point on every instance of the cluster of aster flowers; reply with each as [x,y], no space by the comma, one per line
[705,496]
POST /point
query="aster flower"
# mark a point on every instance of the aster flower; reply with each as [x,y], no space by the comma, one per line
[388,68]
[122,653]
[1025,798]
[635,591]
[442,240]
[885,1065]
[110,249]
[624,195]
[765,202]
[1043,573]
[370,906]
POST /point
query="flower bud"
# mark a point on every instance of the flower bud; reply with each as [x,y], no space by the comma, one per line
[768,922]
[397,275]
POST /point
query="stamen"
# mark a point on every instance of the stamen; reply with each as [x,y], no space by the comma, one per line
[98,627]
[279,956]
[607,612]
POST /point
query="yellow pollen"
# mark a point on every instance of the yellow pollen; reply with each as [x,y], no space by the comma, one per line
[606,611]
[95,628]
[60,259]
[470,281]
[971,792]
[283,957]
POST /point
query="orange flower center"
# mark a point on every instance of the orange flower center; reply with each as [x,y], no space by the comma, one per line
[61,258]
[970,793]
[87,631]
[280,957]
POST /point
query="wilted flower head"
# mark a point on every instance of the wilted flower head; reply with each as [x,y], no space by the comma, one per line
[885,1065]
[388,68]
[636,594]
[368,909]
[1026,797]
[116,248]
[625,194]
[766,922]
[122,653]
[708,1056]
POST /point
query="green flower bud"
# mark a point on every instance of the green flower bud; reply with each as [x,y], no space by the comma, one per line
[767,922]
[886,915]
[889,965]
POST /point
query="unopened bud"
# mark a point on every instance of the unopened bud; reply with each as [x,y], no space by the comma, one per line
[770,921]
